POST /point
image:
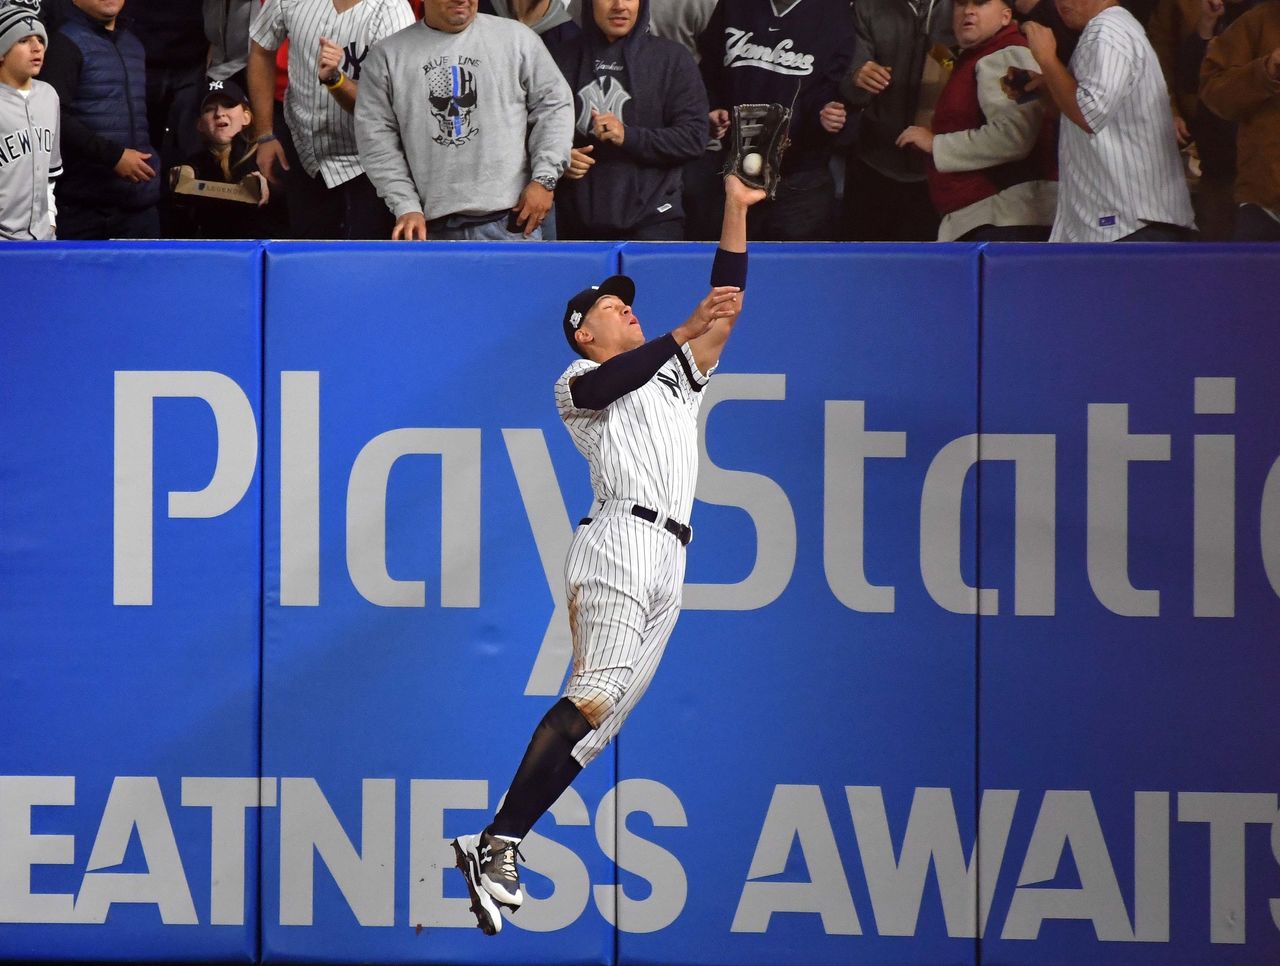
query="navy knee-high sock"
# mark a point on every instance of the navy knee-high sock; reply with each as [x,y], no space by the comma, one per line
[547,769]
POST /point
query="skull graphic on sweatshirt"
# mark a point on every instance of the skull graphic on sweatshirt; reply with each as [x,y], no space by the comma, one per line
[452,94]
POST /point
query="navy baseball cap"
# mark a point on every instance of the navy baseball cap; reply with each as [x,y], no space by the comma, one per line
[617,285]
[224,90]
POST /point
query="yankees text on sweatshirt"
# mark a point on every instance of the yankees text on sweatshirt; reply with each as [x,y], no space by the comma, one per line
[441,119]
[752,54]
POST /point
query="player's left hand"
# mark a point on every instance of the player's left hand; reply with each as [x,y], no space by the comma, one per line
[607,127]
[535,201]
[735,192]
[916,137]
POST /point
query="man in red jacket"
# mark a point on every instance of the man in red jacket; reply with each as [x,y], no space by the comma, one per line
[991,169]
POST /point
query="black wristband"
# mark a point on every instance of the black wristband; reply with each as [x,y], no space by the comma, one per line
[622,374]
[729,268]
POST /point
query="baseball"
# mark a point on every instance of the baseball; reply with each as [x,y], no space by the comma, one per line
[752,163]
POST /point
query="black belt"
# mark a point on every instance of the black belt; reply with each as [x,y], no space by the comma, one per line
[681,531]
[448,222]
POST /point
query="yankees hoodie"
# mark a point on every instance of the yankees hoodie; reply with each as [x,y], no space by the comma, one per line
[653,85]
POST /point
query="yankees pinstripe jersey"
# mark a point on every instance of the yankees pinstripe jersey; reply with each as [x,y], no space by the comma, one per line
[642,448]
[30,156]
[323,133]
[1128,172]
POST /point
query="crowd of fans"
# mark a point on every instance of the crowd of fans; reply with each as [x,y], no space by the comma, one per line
[913,120]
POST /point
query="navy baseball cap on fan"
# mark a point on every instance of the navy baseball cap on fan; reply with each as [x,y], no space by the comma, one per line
[617,285]
[227,91]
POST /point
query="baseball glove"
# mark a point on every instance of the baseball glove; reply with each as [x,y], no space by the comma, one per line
[757,140]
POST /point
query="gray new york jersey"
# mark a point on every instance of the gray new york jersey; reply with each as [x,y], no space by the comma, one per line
[29,157]
[642,448]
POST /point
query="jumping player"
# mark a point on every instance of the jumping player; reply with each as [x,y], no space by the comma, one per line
[631,407]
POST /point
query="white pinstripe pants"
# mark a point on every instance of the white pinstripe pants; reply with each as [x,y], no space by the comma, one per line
[623,580]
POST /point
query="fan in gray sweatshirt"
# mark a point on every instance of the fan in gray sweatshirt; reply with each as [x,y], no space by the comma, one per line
[456,125]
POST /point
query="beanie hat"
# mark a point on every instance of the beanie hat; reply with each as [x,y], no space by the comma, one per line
[18,19]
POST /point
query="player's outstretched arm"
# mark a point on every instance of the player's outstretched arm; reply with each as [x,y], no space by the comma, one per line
[729,269]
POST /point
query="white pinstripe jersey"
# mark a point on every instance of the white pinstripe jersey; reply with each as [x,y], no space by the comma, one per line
[323,133]
[1128,171]
[642,448]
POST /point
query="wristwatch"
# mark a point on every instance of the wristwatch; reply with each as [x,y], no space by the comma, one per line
[264,138]
[546,181]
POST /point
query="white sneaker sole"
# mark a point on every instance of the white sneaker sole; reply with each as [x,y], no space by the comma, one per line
[501,895]
[488,916]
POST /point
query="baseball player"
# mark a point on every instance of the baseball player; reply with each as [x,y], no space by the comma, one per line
[30,155]
[631,407]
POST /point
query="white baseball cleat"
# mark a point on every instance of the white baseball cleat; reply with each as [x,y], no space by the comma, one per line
[498,873]
[485,908]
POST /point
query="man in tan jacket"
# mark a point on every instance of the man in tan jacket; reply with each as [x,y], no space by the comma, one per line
[1240,81]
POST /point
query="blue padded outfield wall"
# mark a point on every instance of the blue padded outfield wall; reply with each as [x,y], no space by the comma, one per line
[979,661]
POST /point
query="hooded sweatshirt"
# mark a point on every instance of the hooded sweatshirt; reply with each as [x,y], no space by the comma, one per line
[226,27]
[653,85]
[555,26]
